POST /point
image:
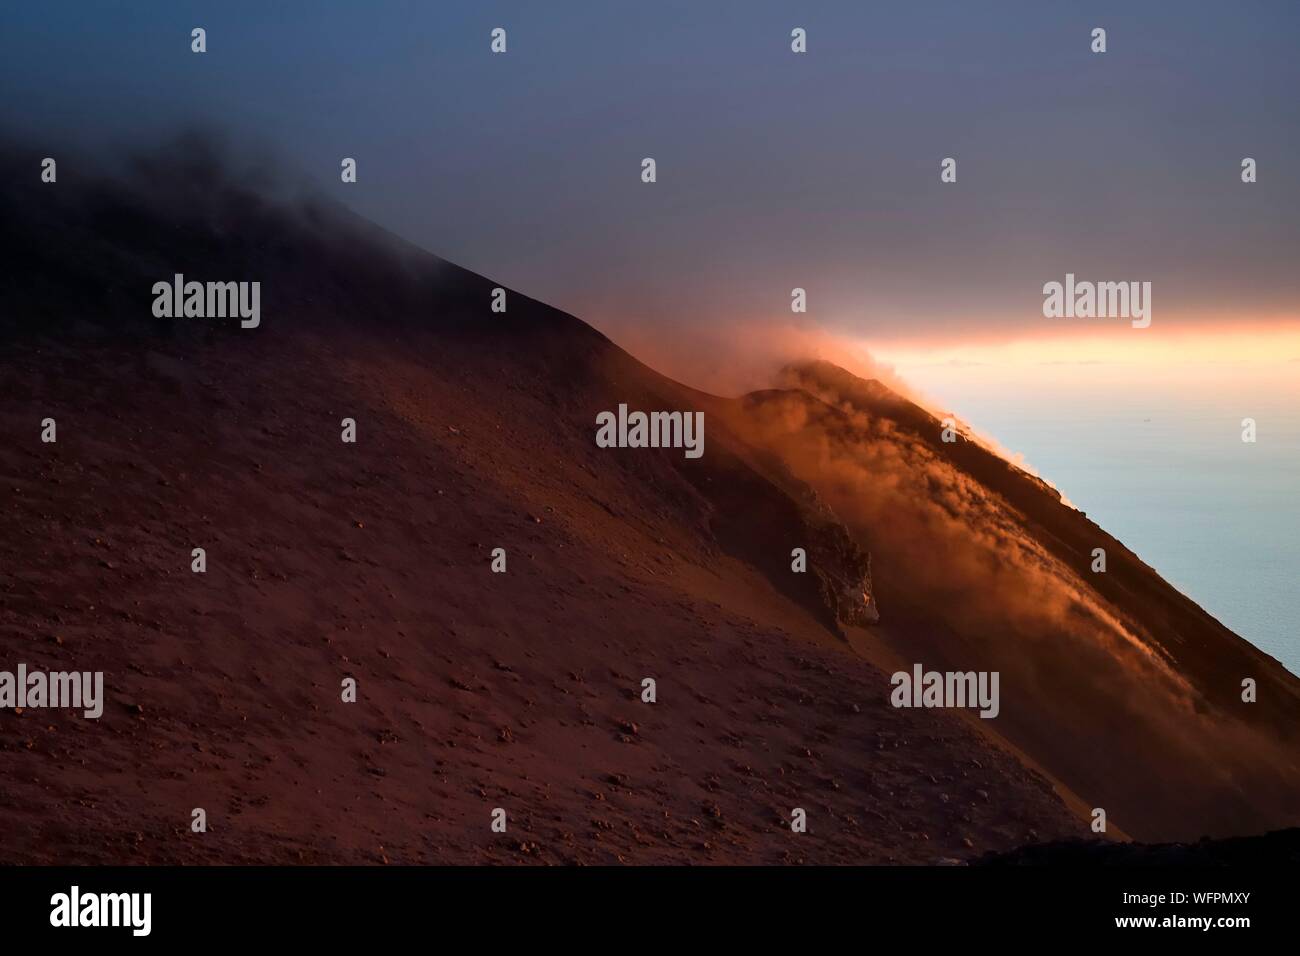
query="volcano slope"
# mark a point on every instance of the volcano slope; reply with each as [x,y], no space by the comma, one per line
[1124,689]
[372,561]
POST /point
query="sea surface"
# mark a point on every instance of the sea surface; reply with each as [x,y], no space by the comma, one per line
[1159,462]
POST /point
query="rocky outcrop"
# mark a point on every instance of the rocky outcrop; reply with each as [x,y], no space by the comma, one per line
[844,573]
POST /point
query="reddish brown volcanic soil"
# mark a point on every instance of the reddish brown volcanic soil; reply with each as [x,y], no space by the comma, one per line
[522,690]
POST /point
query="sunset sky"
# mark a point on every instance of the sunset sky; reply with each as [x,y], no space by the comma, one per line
[776,170]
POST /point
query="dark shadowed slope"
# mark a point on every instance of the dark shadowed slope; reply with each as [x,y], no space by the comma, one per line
[522,690]
[372,560]
[1281,848]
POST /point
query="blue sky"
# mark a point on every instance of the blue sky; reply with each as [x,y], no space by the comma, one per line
[775,170]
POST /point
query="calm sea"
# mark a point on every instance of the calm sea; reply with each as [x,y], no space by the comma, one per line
[1160,464]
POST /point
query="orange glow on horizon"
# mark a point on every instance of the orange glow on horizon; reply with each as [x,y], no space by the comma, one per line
[1241,344]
